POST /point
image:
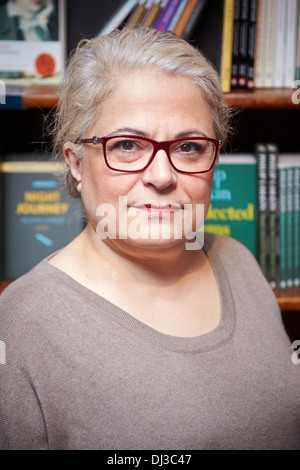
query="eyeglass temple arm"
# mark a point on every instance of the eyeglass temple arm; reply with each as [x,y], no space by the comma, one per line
[93,140]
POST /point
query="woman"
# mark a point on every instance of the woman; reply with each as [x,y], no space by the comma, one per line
[134,336]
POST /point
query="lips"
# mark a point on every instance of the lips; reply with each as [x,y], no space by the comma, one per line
[159,208]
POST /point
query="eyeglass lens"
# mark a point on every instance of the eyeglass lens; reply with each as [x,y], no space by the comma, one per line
[134,154]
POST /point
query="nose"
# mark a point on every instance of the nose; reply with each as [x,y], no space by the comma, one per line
[160,172]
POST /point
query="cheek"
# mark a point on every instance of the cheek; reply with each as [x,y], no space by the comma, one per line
[199,188]
[102,185]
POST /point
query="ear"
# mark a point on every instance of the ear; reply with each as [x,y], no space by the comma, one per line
[74,162]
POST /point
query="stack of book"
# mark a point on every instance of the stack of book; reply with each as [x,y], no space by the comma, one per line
[278,215]
[260,44]
[256,200]
[179,16]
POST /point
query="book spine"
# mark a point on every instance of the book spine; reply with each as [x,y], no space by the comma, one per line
[291,43]
[297,68]
[227,43]
[177,15]
[289,228]
[243,44]
[269,44]
[166,15]
[279,59]
[251,43]
[296,226]
[137,14]
[261,155]
[258,61]
[118,17]
[151,15]
[272,160]
[194,19]
[235,45]
[282,195]
[184,18]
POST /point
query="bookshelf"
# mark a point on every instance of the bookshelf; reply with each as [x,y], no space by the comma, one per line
[46,97]
[263,113]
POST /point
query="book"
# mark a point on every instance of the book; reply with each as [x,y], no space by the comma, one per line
[279,56]
[259,61]
[39,217]
[235,45]
[137,14]
[152,14]
[243,44]
[232,211]
[269,42]
[291,36]
[297,223]
[289,228]
[262,208]
[184,17]
[282,205]
[297,70]
[227,44]
[32,50]
[194,19]
[251,43]
[272,196]
[118,17]
[166,15]
[177,15]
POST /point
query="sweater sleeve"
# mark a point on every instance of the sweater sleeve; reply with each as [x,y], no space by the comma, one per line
[22,424]
[21,421]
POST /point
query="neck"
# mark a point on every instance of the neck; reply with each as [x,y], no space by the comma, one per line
[155,263]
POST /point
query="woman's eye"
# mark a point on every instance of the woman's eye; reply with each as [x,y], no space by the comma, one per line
[126,145]
[189,147]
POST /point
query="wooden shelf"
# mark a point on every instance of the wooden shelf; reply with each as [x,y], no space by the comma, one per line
[264,98]
[38,96]
[288,300]
[41,97]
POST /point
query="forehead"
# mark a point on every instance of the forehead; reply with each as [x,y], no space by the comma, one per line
[153,96]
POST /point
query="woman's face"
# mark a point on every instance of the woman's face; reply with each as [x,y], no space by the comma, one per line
[162,107]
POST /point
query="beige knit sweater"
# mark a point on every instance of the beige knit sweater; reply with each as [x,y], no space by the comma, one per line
[80,373]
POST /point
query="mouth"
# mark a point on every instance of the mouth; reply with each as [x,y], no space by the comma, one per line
[154,208]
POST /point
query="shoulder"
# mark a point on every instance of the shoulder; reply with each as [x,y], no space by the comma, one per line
[26,302]
[34,285]
[228,248]
[236,259]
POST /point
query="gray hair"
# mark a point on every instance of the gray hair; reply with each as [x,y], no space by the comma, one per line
[97,64]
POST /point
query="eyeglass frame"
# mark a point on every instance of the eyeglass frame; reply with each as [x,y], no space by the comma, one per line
[157,145]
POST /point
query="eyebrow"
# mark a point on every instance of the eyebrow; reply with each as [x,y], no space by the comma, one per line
[180,135]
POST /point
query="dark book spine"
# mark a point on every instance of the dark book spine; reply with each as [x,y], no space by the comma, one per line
[289,228]
[251,43]
[236,45]
[282,227]
[272,159]
[243,44]
[194,19]
[297,226]
[261,155]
